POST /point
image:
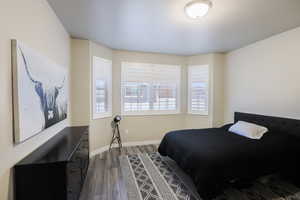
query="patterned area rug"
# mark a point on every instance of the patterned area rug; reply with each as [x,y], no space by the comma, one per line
[153,177]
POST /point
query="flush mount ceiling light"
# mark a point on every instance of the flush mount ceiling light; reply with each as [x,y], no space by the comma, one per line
[198,8]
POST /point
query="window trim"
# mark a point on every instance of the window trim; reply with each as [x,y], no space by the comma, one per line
[189,110]
[150,112]
[109,90]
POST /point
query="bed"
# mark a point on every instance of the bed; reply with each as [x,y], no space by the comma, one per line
[215,157]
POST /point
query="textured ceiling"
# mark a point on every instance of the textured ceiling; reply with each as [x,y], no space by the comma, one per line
[161,25]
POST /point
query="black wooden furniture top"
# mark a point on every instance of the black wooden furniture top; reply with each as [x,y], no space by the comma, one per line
[58,149]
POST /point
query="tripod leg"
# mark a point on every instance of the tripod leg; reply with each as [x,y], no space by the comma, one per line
[112,139]
[119,138]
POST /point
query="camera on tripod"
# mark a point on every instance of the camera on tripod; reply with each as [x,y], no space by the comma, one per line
[116,138]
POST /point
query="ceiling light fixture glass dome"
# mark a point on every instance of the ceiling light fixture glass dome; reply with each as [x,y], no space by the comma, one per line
[198,8]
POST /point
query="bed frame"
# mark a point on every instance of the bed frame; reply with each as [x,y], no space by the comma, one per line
[284,125]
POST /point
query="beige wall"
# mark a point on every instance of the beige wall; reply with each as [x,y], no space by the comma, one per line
[34,23]
[265,77]
[100,130]
[139,128]
[143,128]
[80,85]
[81,70]
[218,90]
[215,116]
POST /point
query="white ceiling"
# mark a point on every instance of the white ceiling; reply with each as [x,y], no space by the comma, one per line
[161,25]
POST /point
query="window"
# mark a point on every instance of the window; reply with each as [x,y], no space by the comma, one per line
[198,78]
[102,88]
[149,89]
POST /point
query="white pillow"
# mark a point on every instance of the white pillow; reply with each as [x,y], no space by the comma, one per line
[248,130]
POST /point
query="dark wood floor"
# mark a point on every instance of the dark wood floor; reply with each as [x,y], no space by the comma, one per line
[105,182]
[104,179]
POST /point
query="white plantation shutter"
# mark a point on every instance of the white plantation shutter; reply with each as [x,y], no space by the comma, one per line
[198,77]
[102,88]
[150,88]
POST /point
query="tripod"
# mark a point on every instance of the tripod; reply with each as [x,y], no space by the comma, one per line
[116,138]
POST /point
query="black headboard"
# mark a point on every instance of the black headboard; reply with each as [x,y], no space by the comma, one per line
[284,125]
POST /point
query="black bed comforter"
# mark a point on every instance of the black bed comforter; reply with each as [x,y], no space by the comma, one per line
[215,156]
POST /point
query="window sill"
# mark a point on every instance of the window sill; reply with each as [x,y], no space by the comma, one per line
[150,114]
[102,116]
[199,114]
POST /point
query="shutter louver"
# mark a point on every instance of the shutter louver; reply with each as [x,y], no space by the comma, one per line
[198,89]
[101,96]
[102,88]
[150,88]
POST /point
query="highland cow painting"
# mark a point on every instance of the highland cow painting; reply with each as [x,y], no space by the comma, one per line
[40,95]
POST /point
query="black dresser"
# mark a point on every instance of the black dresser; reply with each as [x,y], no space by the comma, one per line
[56,170]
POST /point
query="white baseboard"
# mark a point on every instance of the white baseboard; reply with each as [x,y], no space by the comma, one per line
[126,144]
[99,151]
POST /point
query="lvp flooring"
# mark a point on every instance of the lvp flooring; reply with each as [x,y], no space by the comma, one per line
[104,181]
